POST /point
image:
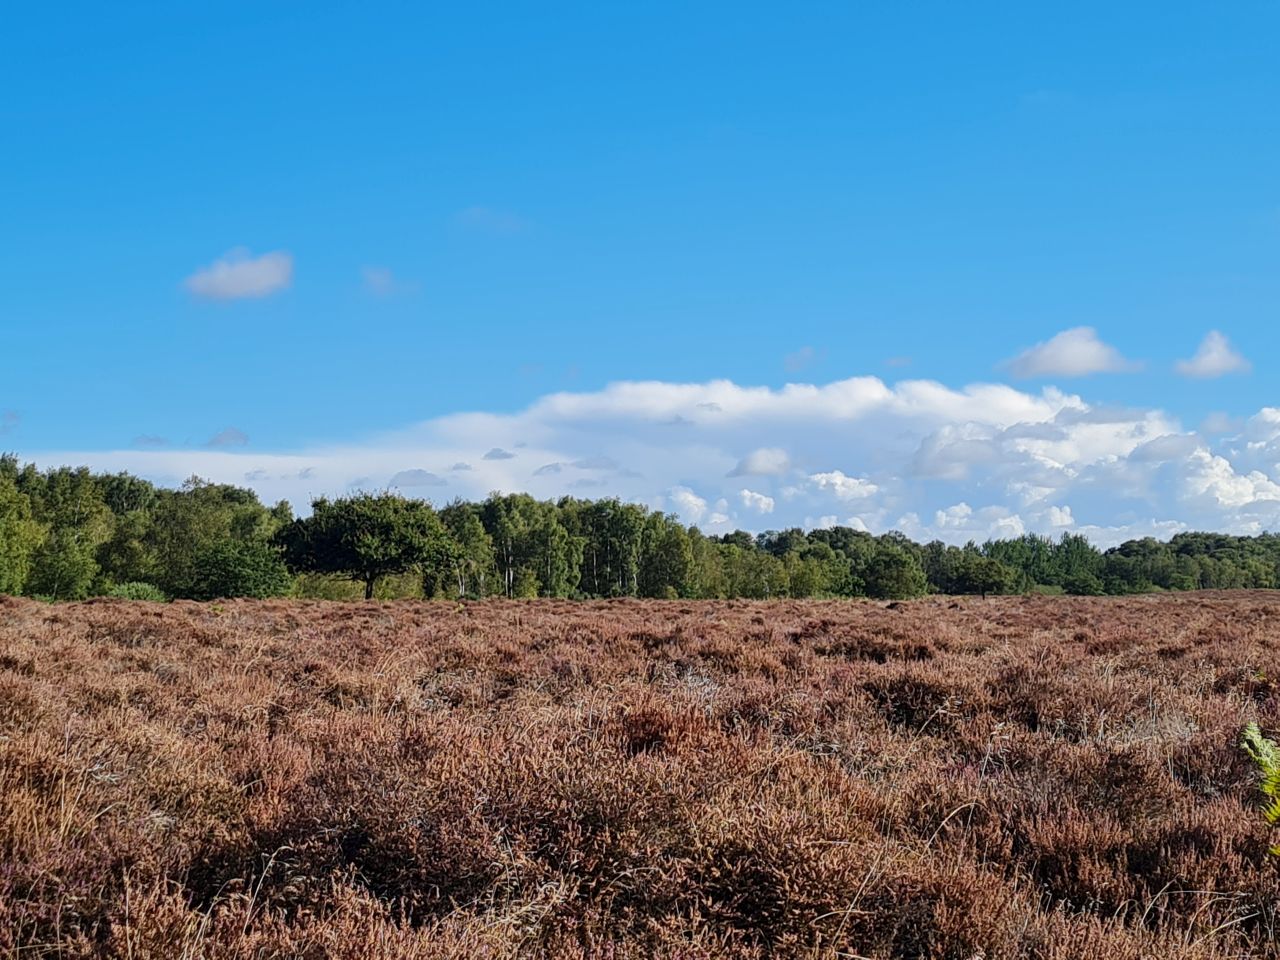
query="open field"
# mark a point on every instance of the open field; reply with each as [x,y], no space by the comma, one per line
[1040,777]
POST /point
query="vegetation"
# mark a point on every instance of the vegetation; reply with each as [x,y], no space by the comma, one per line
[1040,778]
[68,534]
[365,537]
[1266,755]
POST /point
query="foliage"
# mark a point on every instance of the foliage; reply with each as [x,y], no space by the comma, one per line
[365,537]
[137,591]
[239,568]
[894,573]
[982,575]
[20,537]
[68,533]
[1266,756]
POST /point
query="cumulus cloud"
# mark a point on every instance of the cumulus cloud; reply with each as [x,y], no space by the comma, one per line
[416,478]
[238,275]
[844,488]
[690,507]
[1057,516]
[915,454]
[1215,358]
[1072,353]
[765,462]
[756,502]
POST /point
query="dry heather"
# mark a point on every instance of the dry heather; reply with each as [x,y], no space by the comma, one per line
[1046,777]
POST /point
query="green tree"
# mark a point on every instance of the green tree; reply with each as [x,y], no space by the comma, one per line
[894,573]
[473,572]
[983,575]
[69,504]
[666,558]
[365,537]
[240,568]
[20,537]
[189,521]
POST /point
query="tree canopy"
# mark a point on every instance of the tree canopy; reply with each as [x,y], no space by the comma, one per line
[68,533]
[365,537]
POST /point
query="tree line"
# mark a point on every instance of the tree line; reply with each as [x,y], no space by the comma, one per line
[68,533]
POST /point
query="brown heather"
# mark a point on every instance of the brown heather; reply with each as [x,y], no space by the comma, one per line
[1043,777]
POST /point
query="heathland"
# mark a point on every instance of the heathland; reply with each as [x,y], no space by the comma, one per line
[1045,777]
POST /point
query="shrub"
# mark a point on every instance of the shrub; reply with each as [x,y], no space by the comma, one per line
[1084,585]
[137,591]
[240,568]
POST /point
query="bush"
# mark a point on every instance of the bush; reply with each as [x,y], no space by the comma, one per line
[240,568]
[1084,585]
[137,591]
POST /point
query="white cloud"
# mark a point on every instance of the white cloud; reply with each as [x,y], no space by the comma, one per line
[757,502]
[1214,477]
[873,453]
[688,504]
[958,516]
[238,275]
[1072,353]
[845,488]
[766,462]
[1057,516]
[1215,358]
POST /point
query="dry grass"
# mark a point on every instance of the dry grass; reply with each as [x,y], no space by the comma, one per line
[1052,778]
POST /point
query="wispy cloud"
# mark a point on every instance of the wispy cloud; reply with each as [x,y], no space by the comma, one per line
[9,421]
[230,437]
[1072,353]
[416,478]
[382,282]
[238,275]
[800,359]
[1215,358]
[492,220]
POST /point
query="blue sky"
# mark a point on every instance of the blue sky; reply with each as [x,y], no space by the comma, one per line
[468,209]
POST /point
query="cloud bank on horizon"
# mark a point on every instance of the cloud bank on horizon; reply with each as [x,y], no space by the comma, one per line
[984,460]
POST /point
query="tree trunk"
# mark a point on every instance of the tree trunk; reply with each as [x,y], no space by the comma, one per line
[368,587]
